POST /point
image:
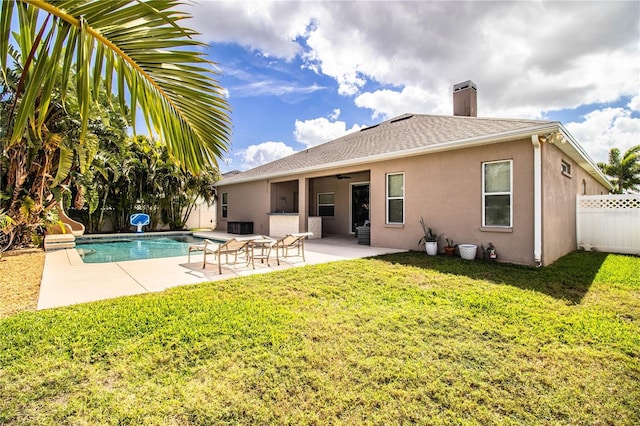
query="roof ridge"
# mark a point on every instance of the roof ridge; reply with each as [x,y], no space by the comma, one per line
[464,117]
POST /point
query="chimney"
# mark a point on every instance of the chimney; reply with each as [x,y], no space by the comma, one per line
[465,99]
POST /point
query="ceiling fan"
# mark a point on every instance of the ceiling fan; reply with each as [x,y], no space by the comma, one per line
[339,176]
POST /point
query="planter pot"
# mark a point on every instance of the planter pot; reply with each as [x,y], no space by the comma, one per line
[468,251]
[449,251]
[431,247]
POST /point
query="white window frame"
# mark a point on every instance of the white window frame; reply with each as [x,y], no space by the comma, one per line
[389,198]
[224,204]
[333,194]
[565,168]
[509,193]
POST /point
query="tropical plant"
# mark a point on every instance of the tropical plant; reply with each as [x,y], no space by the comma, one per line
[60,63]
[138,176]
[32,172]
[449,242]
[6,231]
[155,63]
[624,172]
[36,173]
[429,235]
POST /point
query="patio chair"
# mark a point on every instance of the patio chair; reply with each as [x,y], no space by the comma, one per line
[197,248]
[234,247]
[289,243]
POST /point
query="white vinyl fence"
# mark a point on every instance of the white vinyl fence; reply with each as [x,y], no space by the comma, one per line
[609,223]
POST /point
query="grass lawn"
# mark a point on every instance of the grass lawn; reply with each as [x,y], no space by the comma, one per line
[397,339]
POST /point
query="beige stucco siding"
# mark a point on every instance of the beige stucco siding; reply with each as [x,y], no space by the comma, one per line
[252,201]
[247,202]
[340,223]
[559,202]
[446,189]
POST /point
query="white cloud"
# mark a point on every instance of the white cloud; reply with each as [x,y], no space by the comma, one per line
[273,88]
[390,103]
[605,129]
[319,130]
[266,152]
[270,27]
[525,57]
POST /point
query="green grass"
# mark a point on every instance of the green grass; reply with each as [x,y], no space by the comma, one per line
[397,339]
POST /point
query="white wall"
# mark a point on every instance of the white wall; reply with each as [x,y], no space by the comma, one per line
[202,216]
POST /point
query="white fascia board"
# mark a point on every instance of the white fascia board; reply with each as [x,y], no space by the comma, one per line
[447,146]
[579,155]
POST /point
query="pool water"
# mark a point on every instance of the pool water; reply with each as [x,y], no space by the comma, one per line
[135,249]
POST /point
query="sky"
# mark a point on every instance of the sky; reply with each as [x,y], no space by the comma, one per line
[300,73]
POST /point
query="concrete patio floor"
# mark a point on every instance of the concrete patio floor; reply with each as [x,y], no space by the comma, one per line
[66,280]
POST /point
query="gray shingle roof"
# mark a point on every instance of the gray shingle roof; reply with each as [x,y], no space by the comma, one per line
[393,137]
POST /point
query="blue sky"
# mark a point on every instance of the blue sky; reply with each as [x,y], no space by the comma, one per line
[301,73]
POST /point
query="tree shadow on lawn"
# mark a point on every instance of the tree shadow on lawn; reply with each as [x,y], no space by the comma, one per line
[569,278]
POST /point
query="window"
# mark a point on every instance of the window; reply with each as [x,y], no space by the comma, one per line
[224,205]
[395,198]
[326,205]
[566,168]
[497,194]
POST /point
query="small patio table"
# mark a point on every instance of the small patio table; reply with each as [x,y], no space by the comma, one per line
[264,245]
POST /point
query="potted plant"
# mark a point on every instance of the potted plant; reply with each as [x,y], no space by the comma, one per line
[429,239]
[450,248]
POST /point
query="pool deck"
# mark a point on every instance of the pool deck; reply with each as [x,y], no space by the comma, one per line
[66,280]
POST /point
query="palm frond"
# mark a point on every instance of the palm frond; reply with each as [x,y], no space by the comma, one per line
[64,166]
[155,63]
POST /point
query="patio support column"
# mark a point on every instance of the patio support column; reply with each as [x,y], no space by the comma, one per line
[537,200]
[303,204]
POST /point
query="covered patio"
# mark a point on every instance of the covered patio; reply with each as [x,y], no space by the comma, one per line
[327,205]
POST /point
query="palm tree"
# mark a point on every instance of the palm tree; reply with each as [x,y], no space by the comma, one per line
[61,60]
[624,172]
[139,45]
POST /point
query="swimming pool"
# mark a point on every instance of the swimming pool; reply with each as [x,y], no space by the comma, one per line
[121,249]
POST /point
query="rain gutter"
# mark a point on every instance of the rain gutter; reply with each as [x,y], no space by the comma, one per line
[537,200]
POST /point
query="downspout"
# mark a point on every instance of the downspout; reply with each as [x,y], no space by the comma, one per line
[537,200]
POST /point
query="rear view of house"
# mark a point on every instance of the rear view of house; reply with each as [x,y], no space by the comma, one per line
[478,180]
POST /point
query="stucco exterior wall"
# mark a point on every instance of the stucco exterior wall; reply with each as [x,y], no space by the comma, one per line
[252,201]
[559,202]
[330,225]
[284,197]
[340,224]
[446,190]
[247,202]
